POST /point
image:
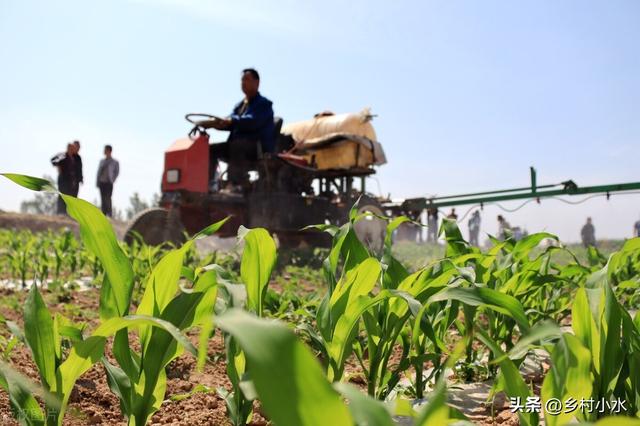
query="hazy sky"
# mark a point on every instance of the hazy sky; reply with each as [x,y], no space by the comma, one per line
[468,94]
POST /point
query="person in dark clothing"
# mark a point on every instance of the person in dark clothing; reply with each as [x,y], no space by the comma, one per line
[588,234]
[251,130]
[67,175]
[78,165]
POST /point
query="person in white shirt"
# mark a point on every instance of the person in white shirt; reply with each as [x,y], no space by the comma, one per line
[108,171]
[474,228]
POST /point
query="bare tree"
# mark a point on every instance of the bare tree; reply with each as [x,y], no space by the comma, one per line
[42,202]
[138,204]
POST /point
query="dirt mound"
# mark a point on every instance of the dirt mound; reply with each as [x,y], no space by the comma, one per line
[42,223]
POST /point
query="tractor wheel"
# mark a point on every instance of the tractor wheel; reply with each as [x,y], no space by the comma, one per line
[156,226]
[370,229]
[302,239]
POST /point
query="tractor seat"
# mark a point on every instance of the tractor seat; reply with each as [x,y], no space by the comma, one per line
[260,155]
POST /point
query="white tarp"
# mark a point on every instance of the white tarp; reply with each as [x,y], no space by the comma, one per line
[337,141]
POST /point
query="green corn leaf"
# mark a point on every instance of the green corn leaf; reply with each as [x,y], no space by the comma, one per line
[540,331]
[161,288]
[86,353]
[99,238]
[345,244]
[610,351]
[514,384]
[340,345]
[456,245]
[584,325]
[364,409]
[483,296]
[162,284]
[182,313]
[30,182]
[394,271]
[258,260]
[39,334]
[206,283]
[120,385]
[358,281]
[616,421]
[608,320]
[287,377]
[354,283]
[211,229]
[569,376]
[436,411]
[21,391]
[523,247]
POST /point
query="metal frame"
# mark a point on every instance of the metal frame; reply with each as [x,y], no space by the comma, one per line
[531,192]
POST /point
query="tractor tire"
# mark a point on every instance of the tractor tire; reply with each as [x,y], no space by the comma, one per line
[370,229]
[156,226]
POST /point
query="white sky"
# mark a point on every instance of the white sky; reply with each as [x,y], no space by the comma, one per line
[468,94]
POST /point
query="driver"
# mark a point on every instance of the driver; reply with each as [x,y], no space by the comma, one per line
[251,130]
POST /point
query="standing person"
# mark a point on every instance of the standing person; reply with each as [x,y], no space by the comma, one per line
[108,171]
[504,229]
[67,178]
[636,229]
[78,165]
[452,214]
[474,228]
[432,225]
[588,234]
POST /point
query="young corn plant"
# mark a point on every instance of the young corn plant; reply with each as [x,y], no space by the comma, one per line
[139,379]
[22,393]
[20,256]
[600,361]
[514,283]
[258,260]
[46,336]
[291,386]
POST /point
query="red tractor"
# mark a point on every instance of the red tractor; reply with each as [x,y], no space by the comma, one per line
[310,180]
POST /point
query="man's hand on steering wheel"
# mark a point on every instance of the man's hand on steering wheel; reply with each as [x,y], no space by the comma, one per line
[222,124]
[207,121]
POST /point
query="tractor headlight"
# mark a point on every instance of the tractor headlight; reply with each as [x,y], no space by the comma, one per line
[173,175]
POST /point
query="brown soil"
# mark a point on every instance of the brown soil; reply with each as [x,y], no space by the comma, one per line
[93,403]
[42,223]
[36,223]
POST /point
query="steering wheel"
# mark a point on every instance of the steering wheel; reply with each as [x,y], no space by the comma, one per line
[196,118]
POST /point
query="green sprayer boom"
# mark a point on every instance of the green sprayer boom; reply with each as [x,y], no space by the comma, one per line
[534,191]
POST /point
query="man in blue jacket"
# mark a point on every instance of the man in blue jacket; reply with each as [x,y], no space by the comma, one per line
[251,130]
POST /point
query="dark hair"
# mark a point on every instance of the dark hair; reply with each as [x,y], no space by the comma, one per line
[253,73]
[76,142]
[109,147]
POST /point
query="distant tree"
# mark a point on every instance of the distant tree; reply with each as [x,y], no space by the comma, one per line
[136,205]
[42,202]
[118,214]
